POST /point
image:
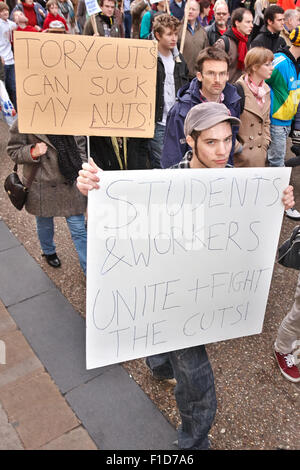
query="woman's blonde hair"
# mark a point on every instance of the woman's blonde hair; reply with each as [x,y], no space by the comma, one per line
[257,57]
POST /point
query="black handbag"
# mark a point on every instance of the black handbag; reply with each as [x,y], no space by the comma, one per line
[16,190]
[289,251]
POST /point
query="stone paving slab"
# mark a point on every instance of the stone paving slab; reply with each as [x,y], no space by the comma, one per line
[57,334]
[113,409]
[9,439]
[6,322]
[20,359]
[119,416]
[77,439]
[20,277]
[7,239]
[37,410]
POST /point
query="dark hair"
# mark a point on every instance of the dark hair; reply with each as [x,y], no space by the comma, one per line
[238,15]
[270,13]
[102,1]
[211,53]
[204,4]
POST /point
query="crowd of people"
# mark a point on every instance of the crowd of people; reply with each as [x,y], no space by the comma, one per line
[228,74]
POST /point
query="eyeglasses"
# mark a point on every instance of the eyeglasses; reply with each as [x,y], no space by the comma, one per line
[211,74]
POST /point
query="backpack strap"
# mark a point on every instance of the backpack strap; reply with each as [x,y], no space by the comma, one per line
[226,42]
[240,90]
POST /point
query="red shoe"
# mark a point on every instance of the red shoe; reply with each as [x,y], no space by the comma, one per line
[286,363]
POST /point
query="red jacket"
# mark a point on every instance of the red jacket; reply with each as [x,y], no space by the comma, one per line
[51,17]
[28,28]
[288,4]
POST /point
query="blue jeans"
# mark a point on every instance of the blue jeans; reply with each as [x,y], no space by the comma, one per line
[156,146]
[277,148]
[127,23]
[10,83]
[195,392]
[76,224]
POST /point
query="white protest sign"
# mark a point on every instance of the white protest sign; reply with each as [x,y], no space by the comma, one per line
[178,258]
[92,7]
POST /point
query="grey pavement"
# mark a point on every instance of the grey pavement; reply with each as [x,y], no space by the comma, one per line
[48,400]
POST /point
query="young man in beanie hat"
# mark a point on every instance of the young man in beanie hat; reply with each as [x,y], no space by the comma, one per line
[208,130]
[285,97]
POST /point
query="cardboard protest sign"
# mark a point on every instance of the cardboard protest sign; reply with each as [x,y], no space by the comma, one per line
[85,85]
[178,258]
[92,7]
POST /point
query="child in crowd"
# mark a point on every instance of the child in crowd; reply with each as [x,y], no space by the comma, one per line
[52,8]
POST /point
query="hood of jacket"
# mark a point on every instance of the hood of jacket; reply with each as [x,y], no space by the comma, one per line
[231,35]
[286,51]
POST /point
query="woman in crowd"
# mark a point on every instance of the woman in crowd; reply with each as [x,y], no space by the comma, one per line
[56,160]
[148,18]
[259,9]
[66,10]
[34,11]
[204,12]
[195,39]
[254,131]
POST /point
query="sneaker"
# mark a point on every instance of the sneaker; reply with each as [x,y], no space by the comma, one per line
[286,363]
[293,214]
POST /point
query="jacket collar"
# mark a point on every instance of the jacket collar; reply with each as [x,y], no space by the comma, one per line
[265,31]
[230,93]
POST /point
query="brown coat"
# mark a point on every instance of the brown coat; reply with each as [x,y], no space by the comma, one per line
[49,195]
[254,131]
[193,44]
[137,8]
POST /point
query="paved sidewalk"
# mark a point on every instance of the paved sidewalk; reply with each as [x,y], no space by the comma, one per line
[48,400]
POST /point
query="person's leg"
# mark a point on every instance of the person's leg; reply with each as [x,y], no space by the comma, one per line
[288,338]
[289,330]
[76,224]
[277,148]
[10,83]
[195,396]
[45,231]
[156,145]
[127,23]
[276,156]
[160,366]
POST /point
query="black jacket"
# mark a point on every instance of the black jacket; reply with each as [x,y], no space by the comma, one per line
[265,38]
[181,74]
[213,33]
